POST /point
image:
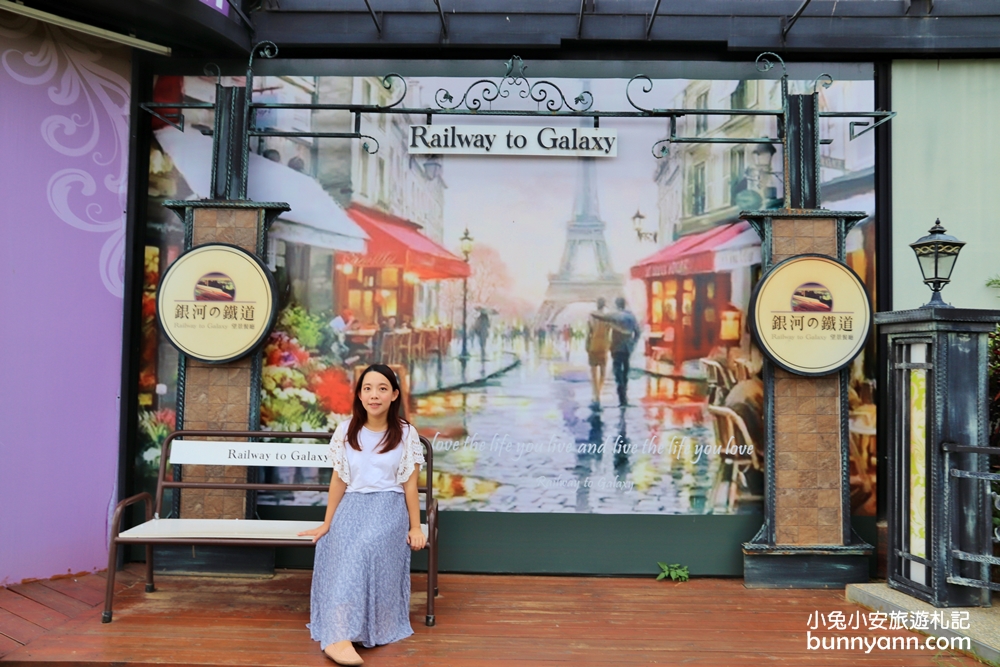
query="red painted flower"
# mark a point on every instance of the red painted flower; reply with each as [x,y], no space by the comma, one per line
[148,305]
[333,389]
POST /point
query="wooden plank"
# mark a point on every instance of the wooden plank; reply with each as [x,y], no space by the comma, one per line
[78,588]
[17,628]
[30,610]
[50,598]
[7,645]
[483,621]
[130,574]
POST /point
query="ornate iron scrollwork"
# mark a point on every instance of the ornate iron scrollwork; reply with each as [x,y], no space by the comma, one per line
[824,80]
[212,69]
[660,149]
[367,146]
[646,88]
[764,64]
[487,91]
[387,84]
[482,93]
[266,49]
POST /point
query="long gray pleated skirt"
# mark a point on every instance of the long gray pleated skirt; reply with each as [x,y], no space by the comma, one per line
[361,576]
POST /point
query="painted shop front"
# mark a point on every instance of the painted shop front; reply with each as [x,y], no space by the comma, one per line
[477,254]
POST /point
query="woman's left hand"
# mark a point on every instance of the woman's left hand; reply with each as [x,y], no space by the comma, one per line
[415,538]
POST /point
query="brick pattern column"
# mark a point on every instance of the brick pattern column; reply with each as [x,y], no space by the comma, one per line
[217,396]
[807,459]
[807,503]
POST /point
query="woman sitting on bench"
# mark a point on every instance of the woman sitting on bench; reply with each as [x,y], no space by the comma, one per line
[361,576]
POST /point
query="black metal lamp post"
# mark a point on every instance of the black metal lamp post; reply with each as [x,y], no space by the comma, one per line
[940,546]
[466,247]
[936,253]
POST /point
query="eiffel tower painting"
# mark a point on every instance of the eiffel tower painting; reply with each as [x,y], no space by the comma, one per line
[585,272]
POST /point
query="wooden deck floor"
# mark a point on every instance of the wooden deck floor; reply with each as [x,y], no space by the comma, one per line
[483,621]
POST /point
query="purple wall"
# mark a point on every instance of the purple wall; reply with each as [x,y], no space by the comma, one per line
[64,135]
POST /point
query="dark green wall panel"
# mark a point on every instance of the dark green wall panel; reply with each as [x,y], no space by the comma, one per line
[603,544]
[570,543]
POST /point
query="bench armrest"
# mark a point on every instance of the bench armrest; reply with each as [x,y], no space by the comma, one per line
[116,520]
[432,515]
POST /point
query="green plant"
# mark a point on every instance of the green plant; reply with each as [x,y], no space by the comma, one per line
[310,330]
[675,571]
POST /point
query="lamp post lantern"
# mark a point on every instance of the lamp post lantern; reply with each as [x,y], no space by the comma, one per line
[466,247]
[936,254]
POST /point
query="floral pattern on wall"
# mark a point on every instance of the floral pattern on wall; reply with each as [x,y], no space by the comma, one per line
[94,100]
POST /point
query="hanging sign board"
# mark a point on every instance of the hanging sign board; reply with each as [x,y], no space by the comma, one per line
[216,302]
[810,315]
[512,140]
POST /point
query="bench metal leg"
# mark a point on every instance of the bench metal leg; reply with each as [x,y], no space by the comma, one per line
[149,569]
[109,593]
[431,576]
[435,570]
[430,583]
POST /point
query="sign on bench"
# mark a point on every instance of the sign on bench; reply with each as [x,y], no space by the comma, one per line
[228,453]
[279,454]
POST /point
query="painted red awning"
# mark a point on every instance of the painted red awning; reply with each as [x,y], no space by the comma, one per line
[397,242]
[689,255]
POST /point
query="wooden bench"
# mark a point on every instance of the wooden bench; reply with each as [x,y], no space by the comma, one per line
[218,449]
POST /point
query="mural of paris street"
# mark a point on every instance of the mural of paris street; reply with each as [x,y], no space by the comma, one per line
[570,333]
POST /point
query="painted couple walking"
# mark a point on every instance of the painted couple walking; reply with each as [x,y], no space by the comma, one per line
[615,333]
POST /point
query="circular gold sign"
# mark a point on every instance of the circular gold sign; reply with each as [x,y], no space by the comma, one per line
[216,302]
[810,315]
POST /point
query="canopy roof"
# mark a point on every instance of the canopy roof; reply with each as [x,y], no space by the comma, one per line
[315,219]
[700,253]
[397,242]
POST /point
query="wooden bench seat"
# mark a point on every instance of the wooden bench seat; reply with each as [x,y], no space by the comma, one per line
[229,448]
[189,531]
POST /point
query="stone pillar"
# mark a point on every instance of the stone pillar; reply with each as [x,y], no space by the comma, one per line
[806,540]
[807,445]
[220,396]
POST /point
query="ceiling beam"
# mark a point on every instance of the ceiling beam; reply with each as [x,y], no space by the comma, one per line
[77,26]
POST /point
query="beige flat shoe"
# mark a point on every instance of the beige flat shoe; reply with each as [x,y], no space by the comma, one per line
[343,655]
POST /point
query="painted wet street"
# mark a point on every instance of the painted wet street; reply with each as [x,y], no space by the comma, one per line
[531,440]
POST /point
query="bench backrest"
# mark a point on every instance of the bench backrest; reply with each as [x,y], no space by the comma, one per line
[234,448]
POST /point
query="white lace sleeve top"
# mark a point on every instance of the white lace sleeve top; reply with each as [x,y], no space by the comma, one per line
[369,471]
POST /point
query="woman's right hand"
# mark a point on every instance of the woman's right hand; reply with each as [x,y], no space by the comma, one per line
[317,532]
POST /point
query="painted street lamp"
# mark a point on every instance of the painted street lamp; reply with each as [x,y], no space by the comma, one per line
[466,246]
[432,166]
[763,154]
[936,253]
[640,233]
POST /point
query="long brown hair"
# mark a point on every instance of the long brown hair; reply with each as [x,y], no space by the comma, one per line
[394,432]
